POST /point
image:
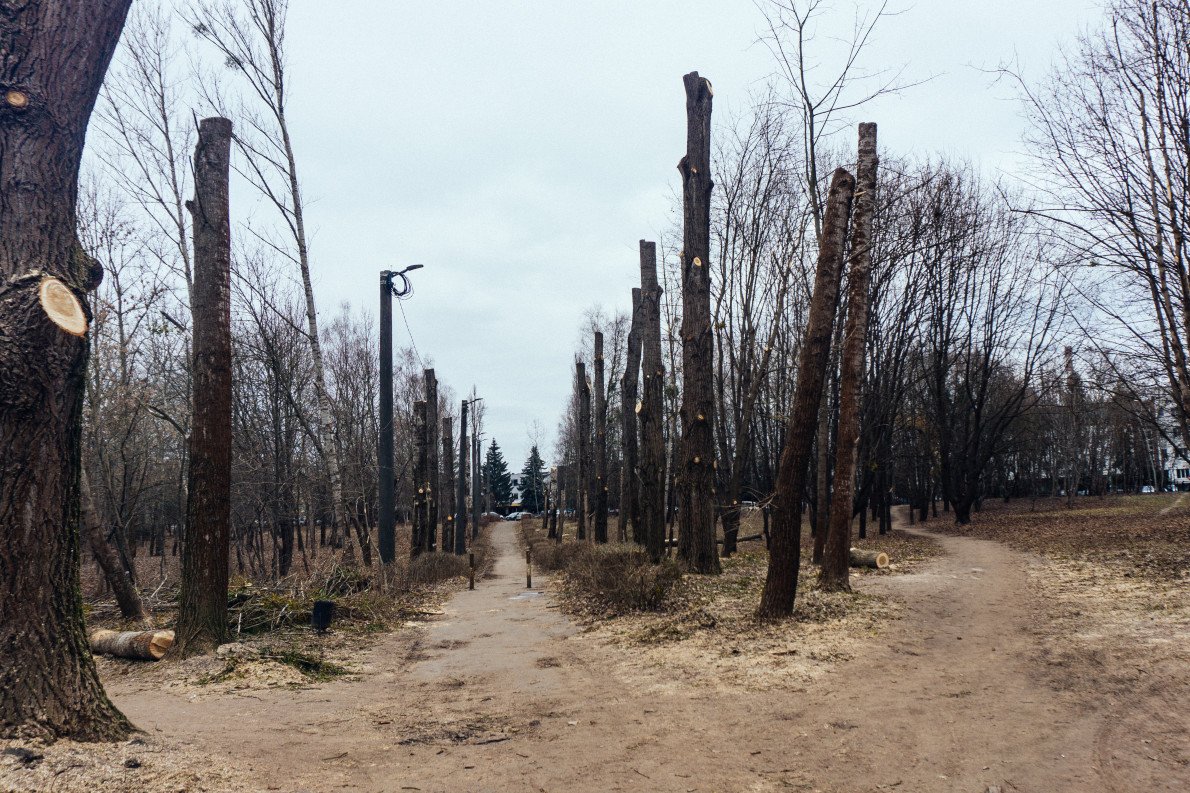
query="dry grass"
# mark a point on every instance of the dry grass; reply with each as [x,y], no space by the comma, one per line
[1113,573]
[704,629]
[269,621]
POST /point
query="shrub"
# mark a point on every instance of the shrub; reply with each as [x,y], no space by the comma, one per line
[617,579]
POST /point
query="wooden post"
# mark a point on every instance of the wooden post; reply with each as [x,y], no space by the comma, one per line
[780,585]
[696,503]
[202,605]
[651,409]
[834,574]
[629,484]
[600,500]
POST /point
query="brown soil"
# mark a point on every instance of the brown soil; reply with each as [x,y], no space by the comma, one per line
[503,692]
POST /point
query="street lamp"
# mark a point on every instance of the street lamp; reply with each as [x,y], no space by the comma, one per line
[387,517]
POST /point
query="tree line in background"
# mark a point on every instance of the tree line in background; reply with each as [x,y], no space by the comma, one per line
[1000,341]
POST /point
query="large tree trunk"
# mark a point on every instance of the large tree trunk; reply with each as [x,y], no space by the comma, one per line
[53,55]
[780,586]
[651,413]
[447,483]
[696,541]
[460,527]
[421,434]
[834,573]
[127,596]
[600,503]
[629,483]
[202,610]
[583,486]
[432,476]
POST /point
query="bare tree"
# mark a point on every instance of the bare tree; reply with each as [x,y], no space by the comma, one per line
[696,542]
[652,407]
[202,604]
[780,586]
[835,564]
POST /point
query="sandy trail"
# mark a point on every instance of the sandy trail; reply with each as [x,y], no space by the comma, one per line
[497,696]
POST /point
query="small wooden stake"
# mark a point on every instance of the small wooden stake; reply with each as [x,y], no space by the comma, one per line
[471,574]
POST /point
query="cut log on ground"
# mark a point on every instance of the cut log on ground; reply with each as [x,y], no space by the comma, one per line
[142,645]
[862,558]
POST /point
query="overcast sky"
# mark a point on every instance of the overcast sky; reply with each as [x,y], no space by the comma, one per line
[520,149]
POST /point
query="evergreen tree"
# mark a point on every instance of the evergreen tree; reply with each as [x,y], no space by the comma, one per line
[533,482]
[496,473]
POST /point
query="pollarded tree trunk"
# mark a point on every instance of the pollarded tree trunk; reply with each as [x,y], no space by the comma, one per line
[447,483]
[834,575]
[53,55]
[582,485]
[651,412]
[421,434]
[555,490]
[600,501]
[696,540]
[202,606]
[780,586]
[629,484]
[460,522]
[432,491]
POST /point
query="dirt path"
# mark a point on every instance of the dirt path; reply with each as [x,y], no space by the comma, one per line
[499,696]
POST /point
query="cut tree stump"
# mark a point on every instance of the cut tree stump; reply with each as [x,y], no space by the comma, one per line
[862,558]
[142,645]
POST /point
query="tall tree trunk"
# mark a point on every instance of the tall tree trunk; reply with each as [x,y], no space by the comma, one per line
[460,527]
[600,504]
[53,55]
[555,490]
[836,566]
[651,412]
[583,488]
[629,483]
[421,434]
[780,586]
[202,605]
[432,475]
[696,540]
[123,587]
[447,483]
[822,488]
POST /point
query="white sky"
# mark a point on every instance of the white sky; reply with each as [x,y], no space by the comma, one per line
[520,149]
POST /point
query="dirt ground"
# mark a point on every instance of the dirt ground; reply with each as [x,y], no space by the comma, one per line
[986,666]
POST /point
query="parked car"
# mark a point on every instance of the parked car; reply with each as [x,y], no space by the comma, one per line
[1148,489]
[515,515]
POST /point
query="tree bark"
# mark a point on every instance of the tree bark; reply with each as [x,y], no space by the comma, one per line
[447,483]
[600,503]
[696,540]
[432,475]
[651,411]
[141,645]
[780,586]
[53,55]
[629,482]
[583,485]
[460,522]
[202,609]
[421,434]
[833,575]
